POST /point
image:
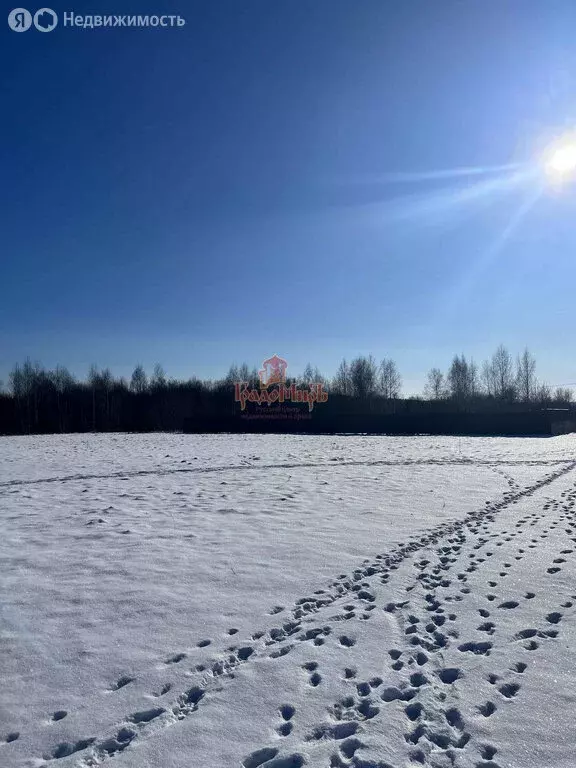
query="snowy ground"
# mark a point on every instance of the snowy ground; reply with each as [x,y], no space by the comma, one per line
[285,601]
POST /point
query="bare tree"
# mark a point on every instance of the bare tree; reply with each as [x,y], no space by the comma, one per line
[473,379]
[363,375]
[233,375]
[244,373]
[62,381]
[93,379]
[158,380]
[342,382]
[389,379]
[18,388]
[503,373]
[543,394]
[456,378]
[435,388]
[462,378]
[106,383]
[307,377]
[488,379]
[318,378]
[526,376]
[139,380]
[16,380]
[563,395]
[26,383]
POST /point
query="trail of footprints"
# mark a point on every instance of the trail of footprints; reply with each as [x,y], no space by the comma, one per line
[437,634]
[442,728]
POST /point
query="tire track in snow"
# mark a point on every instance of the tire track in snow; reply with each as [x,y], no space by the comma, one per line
[312,465]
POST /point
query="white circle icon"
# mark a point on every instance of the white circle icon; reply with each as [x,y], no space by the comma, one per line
[45,20]
[19,20]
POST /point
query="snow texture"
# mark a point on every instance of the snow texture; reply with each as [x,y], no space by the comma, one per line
[173,601]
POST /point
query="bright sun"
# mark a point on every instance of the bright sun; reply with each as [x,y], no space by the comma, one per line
[560,161]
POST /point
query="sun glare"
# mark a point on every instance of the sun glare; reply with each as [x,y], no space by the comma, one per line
[560,161]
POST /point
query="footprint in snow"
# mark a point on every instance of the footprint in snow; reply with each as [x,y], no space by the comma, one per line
[175,659]
[259,757]
[268,757]
[487,709]
[554,618]
[287,713]
[284,729]
[349,673]
[165,688]
[509,690]
[65,748]
[147,715]
[449,675]
[315,679]
[509,604]
[121,682]
[487,751]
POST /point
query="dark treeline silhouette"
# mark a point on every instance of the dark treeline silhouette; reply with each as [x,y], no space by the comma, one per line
[498,380]
[45,401]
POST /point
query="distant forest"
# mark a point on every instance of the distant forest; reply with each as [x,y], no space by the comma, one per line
[45,401]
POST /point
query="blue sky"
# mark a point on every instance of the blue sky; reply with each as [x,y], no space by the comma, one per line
[255,183]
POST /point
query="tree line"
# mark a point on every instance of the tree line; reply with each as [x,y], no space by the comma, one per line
[500,378]
[41,400]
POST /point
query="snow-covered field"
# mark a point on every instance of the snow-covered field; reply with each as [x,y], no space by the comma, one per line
[187,601]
